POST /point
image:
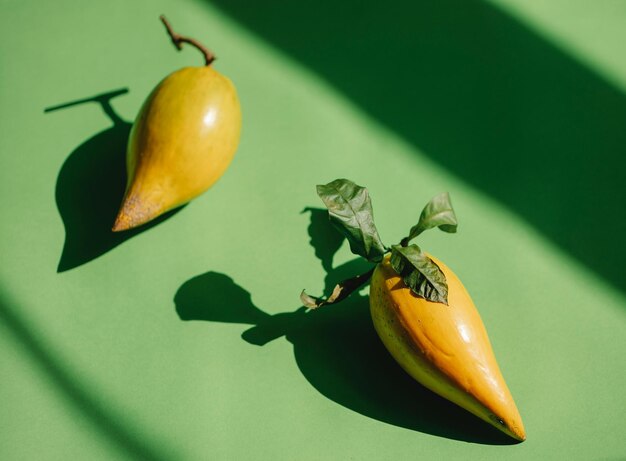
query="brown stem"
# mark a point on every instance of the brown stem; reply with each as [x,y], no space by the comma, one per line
[341,291]
[178,40]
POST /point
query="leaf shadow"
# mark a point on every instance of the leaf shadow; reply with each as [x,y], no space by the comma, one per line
[324,239]
[90,187]
[336,348]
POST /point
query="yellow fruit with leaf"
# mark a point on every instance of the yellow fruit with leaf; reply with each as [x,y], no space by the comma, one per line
[420,309]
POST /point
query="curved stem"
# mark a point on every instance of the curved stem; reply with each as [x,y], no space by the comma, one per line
[178,40]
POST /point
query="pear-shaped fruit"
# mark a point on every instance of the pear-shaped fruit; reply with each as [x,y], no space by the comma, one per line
[420,309]
[182,141]
[445,348]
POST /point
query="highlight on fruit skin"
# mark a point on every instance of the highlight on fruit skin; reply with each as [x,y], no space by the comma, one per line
[445,348]
[420,309]
[185,136]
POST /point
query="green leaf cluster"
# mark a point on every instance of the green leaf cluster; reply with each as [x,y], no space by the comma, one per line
[350,210]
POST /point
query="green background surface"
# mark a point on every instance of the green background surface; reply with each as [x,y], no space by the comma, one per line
[186,340]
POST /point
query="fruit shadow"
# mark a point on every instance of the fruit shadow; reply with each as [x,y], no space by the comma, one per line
[90,187]
[336,347]
[483,95]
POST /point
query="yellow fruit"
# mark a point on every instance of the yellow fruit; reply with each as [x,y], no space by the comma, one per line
[183,139]
[185,136]
[445,348]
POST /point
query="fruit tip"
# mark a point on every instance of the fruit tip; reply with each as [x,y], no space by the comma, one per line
[134,212]
[517,432]
[125,219]
[121,223]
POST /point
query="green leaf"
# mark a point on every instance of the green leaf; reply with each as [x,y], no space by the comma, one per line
[437,213]
[420,273]
[350,210]
[341,291]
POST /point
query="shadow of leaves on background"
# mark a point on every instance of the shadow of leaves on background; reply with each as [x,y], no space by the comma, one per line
[112,426]
[90,187]
[482,95]
[323,237]
[336,348]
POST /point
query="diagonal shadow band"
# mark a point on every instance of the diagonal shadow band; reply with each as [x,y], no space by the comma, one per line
[482,95]
[108,424]
[90,187]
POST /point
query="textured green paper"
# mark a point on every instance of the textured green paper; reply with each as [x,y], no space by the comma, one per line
[187,341]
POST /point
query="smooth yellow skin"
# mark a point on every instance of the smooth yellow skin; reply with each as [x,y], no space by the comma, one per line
[184,138]
[445,348]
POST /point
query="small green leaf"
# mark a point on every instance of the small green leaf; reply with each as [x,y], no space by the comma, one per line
[341,291]
[420,273]
[350,210]
[437,213]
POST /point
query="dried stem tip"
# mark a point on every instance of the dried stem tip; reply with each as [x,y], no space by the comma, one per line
[178,40]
